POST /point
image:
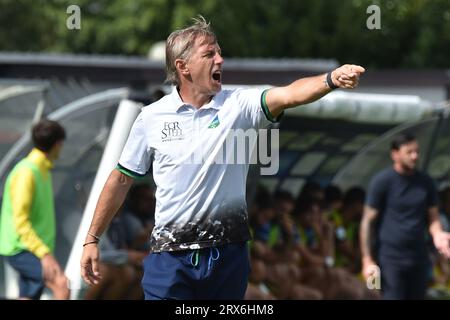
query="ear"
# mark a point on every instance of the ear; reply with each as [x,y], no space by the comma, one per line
[181,66]
[394,154]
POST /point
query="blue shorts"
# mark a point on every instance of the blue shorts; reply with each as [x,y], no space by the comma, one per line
[31,281]
[209,273]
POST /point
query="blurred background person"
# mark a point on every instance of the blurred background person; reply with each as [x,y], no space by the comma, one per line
[316,245]
[401,202]
[346,221]
[332,200]
[27,220]
[272,248]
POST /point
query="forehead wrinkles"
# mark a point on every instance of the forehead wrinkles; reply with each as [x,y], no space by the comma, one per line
[206,43]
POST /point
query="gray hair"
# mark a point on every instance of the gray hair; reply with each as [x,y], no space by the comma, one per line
[180,43]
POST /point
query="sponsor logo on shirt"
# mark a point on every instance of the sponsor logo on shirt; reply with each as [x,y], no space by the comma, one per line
[215,123]
[171,131]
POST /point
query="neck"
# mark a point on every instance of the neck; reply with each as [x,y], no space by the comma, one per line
[49,156]
[46,154]
[194,97]
[402,170]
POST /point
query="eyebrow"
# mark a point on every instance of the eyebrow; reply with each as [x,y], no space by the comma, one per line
[211,49]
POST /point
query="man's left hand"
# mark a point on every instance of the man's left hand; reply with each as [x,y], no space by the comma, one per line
[347,76]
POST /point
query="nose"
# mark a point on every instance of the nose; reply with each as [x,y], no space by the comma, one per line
[218,58]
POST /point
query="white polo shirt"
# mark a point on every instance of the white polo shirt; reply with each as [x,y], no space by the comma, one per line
[198,203]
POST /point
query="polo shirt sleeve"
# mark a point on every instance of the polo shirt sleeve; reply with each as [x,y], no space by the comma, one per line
[135,159]
[376,193]
[254,107]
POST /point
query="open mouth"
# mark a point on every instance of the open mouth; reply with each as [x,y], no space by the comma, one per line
[217,76]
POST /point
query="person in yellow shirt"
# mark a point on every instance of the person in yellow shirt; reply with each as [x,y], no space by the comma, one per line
[27,219]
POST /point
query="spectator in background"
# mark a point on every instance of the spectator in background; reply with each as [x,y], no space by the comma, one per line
[346,221]
[139,216]
[316,248]
[273,247]
[27,220]
[283,234]
[402,201]
[311,192]
[315,232]
[332,200]
[260,214]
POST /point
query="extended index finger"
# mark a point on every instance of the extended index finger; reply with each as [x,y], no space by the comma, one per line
[358,69]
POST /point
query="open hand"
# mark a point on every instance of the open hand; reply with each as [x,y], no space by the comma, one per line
[442,243]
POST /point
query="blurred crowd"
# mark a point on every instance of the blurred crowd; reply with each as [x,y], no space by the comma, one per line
[307,247]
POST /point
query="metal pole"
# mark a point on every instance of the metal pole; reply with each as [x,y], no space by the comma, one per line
[124,119]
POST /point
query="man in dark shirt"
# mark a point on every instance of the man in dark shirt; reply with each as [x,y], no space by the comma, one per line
[402,201]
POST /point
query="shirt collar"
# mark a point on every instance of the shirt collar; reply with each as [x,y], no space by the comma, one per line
[40,159]
[214,103]
[178,103]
